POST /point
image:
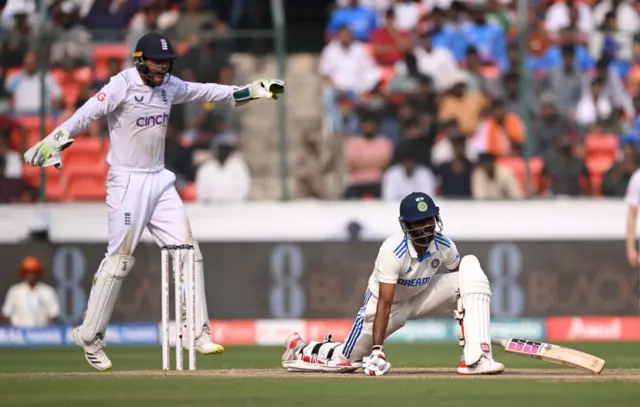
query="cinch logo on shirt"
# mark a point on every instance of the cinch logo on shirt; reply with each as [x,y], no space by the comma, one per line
[416,282]
[152,120]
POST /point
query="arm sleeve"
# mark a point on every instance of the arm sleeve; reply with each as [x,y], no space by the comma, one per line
[451,256]
[632,196]
[105,101]
[387,268]
[201,92]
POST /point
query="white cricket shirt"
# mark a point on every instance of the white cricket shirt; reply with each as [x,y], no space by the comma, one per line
[138,115]
[30,307]
[632,196]
[398,263]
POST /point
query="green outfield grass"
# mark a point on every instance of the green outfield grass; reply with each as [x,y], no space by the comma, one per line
[22,384]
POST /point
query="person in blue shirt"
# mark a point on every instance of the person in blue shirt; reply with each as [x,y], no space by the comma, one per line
[488,38]
[360,20]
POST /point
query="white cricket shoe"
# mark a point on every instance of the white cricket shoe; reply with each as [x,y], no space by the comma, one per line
[484,366]
[204,343]
[291,345]
[93,351]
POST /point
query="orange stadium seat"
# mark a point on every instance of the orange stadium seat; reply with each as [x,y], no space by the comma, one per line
[32,175]
[86,184]
[89,150]
[597,166]
[518,166]
[102,54]
[605,145]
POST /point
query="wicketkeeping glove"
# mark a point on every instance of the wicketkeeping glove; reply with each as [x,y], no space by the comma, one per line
[260,89]
[376,364]
[47,152]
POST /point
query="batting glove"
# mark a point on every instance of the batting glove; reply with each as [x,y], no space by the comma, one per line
[376,364]
[47,152]
[260,89]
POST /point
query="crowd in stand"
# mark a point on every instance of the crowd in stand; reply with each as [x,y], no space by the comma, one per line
[435,95]
[84,43]
[431,95]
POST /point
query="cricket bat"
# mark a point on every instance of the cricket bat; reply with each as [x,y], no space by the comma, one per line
[552,353]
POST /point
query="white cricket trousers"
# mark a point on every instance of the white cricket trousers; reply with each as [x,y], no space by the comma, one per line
[137,200]
[438,298]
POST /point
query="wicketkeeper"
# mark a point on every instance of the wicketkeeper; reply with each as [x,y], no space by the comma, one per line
[404,286]
[140,190]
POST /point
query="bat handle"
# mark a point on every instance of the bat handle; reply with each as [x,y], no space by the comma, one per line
[499,342]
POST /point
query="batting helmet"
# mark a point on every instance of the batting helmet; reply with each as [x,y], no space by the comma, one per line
[419,207]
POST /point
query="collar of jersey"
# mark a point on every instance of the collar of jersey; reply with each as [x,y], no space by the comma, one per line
[414,254]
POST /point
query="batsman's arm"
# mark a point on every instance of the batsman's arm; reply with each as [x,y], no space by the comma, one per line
[386,292]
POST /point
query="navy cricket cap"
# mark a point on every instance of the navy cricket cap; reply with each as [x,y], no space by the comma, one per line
[417,206]
[155,46]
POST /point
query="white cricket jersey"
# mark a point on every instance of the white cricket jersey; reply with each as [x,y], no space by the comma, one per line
[398,263]
[632,196]
[138,115]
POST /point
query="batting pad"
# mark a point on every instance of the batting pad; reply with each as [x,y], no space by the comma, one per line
[475,292]
[202,315]
[104,294]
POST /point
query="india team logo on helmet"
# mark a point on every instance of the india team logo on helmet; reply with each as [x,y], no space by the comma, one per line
[422,205]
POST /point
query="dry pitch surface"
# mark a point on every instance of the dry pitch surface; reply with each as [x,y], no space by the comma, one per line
[565,375]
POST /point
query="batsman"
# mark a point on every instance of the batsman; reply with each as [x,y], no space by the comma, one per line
[140,190]
[404,286]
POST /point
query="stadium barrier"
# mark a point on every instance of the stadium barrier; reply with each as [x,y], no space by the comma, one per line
[265,332]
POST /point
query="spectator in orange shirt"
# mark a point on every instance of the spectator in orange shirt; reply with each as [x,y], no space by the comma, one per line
[501,133]
[389,43]
[367,156]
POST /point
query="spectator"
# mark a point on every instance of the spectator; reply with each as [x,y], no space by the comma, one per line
[30,303]
[615,180]
[149,18]
[9,128]
[114,66]
[361,21]
[563,173]
[25,88]
[347,70]
[477,82]
[72,45]
[417,139]
[443,150]
[192,19]
[401,179]
[558,16]
[614,45]
[389,43]
[614,86]
[510,93]
[16,44]
[437,63]
[487,38]
[455,175]
[424,100]
[367,156]
[461,105]
[501,133]
[554,58]
[549,125]
[625,13]
[594,108]
[108,19]
[491,181]
[408,13]
[14,190]
[406,78]
[566,82]
[225,178]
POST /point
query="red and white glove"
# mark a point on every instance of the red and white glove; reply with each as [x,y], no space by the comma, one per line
[376,364]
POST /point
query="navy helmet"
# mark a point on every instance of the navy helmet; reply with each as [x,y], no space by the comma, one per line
[419,218]
[157,47]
